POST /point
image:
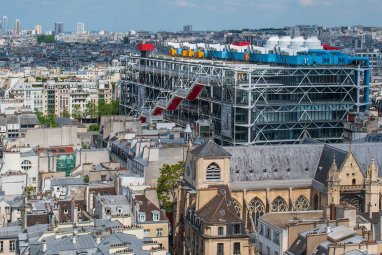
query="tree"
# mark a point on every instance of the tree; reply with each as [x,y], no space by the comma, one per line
[93,127]
[86,179]
[167,184]
[108,109]
[65,113]
[91,110]
[45,39]
[76,112]
[46,120]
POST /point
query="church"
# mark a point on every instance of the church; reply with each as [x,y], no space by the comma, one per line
[225,190]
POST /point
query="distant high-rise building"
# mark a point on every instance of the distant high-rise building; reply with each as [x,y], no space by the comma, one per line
[18,27]
[187,28]
[80,28]
[58,28]
[4,25]
[38,29]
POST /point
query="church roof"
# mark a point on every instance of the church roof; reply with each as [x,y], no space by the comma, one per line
[326,161]
[210,149]
[274,162]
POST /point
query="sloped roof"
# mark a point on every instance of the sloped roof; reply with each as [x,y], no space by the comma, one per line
[276,162]
[219,208]
[326,161]
[210,149]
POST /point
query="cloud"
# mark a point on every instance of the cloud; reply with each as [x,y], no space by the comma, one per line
[184,3]
[315,2]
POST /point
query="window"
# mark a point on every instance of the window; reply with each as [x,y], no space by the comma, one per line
[268,233]
[279,205]
[257,209]
[236,229]
[276,253]
[34,179]
[142,217]
[65,211]
[213,172]
[12,245]
[261,229]
[159,231]
[220,249]
[26,165]
[1,246]
[220,231]
[237,207]
[7,210]
[146,232]
[236,248]
[268,251]
[155,216]
[276,238]
[302,204]
[260,248]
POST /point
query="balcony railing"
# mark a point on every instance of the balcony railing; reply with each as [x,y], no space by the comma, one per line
[345,188]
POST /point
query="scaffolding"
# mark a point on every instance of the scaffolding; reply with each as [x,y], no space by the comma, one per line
[245,103]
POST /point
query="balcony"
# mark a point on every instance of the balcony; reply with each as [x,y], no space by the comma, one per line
[351,188]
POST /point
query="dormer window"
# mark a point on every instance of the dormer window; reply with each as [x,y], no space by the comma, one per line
[155,216]
[142,217]
[213,172]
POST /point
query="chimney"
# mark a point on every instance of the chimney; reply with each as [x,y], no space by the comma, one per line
[370,211]
[74,239]
[333,212]
[98,238]
[44,246]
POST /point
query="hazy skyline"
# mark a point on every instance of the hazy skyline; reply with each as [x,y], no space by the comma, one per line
[171,15]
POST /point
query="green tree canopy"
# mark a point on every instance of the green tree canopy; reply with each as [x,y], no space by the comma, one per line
[91,110]
[76,112]
[167,184]
[46,120]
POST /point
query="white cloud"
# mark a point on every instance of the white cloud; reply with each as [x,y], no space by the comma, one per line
[184,3]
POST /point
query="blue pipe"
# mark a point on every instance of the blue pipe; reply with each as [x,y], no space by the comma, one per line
[366,61]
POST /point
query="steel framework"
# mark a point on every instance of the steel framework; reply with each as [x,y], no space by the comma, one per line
[245,103]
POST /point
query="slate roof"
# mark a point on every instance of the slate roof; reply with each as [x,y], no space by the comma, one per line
[28,119]
[279,162]
[326,161]
[218,209]
[148,207]
[210,149]
[68,181]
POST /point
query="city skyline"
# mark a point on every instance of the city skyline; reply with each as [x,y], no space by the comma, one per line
[171,15]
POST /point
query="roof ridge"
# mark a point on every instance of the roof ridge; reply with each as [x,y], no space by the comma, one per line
[218,207]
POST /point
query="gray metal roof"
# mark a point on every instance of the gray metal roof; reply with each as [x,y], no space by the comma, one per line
[210,149]
[114,200]
[28,119]
[274,162]
[10,232]
[68,181]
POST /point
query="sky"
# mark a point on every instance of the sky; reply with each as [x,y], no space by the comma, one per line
[171,15]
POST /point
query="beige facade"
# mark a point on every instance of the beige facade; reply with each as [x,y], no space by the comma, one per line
[336,176]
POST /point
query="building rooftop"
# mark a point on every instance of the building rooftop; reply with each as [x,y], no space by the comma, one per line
[282,219]
[210,149]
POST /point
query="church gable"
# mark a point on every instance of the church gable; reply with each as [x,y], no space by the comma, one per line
[350,172]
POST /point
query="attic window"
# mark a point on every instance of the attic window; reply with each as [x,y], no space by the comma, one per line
[288,169]
[264,170]
[275,170]
[306,169]
[222,212]
[251,170]
[237,171]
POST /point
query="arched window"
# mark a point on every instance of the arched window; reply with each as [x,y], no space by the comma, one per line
[301,204]
[257,209]
[237,207]
[353,181]
[26,165]
[279,205]
[213,172]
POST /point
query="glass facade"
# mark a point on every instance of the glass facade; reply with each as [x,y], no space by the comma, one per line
[248,104]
